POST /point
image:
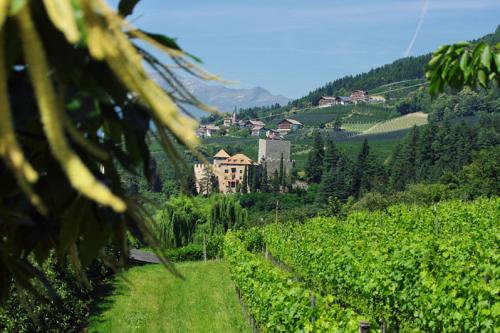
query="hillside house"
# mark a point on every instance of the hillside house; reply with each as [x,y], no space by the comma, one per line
[211,130]
[201,132]
[229,170]
[252,123]
[359,96]
[273,135]
[326,101]
[289,125]
[257,130]
[343,100]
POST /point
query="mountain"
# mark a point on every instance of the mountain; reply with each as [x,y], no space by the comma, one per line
[226,99]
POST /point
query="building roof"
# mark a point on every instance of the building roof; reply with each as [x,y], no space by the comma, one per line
[238,159]
[291,121]
[328,98]
[344,98]
[257,128]
[256,122]
[222,154]
[212,127]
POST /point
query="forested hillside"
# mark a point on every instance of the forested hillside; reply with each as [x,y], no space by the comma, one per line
[410,70]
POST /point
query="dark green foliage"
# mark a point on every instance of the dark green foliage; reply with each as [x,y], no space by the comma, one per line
[226,213]
[314,168]
[177,222]
[482,176]
[275,181]
[68,314]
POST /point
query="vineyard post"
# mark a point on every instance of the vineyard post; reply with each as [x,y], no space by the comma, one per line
[364,327]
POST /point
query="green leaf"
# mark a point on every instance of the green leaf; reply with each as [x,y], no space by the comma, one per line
[126,7]
[163,40]
[464,61]
[486,57]
[482,77]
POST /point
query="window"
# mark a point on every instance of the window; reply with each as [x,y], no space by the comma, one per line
[241,171]
[233,170]
[226,171]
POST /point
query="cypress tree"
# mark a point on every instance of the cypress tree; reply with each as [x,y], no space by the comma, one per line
[360,177]
[314,167]
[255,179]
[244,185]
[276,182]
[281,172]
[264,181]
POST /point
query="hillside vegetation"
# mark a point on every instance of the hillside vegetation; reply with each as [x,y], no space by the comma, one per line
[400,123]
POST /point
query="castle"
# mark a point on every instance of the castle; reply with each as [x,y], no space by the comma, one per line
[229,171]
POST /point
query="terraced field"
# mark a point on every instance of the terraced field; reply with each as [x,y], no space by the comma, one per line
[399,123]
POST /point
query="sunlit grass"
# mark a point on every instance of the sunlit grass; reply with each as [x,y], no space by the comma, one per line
[155,301]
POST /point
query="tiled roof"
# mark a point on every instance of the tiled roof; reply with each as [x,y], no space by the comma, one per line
[222,154]
[238,159]
[293,121]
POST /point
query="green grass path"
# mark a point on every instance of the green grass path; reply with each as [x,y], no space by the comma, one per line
[153,300]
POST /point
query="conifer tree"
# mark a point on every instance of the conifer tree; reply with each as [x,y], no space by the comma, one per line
[361,170]
[314,167]
[276,182]
[244,185]
[281,170]
[264,181]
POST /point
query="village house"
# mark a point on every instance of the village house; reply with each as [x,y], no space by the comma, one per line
[253,123]
[289,125]
[229,171]
[327,101]
[343,100]
[273,135]
[211,130]
[257,130]
[359,96]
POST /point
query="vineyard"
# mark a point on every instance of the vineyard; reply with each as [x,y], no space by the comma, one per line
[399,123]
[406,269]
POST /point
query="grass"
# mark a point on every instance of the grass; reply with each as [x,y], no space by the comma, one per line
[153,300]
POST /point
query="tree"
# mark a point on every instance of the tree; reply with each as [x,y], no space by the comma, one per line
[244,186]
[281,171]
[314,167]
[463,64]
[276,182]
[361,170]
[264,180]
[226,213]
[82,103]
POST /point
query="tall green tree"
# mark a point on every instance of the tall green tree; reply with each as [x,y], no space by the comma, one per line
[314,167]
[276,182]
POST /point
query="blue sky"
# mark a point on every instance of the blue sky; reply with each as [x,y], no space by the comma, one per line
[291,47]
